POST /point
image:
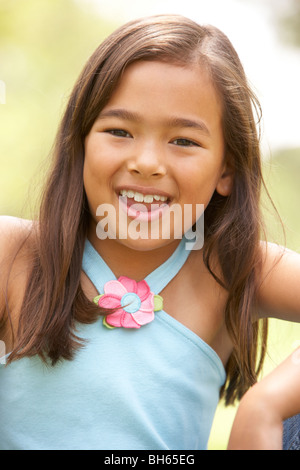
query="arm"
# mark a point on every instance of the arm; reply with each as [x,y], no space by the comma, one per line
[258,424]
[279,293]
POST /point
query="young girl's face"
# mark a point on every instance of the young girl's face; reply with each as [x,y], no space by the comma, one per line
[157,144]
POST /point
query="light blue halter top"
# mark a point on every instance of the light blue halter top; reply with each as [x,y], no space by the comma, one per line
[156,387]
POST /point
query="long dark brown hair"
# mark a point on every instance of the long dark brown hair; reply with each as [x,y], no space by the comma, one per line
[54,299]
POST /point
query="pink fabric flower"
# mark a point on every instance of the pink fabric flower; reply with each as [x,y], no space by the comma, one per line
[133,301]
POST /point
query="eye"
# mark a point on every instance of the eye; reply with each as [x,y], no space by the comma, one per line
[118,132]
[185,143]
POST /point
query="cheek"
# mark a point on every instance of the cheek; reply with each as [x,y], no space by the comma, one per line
[101,161]
[89,186]
[198,184]
[89,173]
[92,177]
[92,160]
[95,168]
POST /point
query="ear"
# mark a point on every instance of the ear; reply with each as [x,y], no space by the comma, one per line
[225,183]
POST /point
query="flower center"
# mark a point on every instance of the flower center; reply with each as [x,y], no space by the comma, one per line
[131,302]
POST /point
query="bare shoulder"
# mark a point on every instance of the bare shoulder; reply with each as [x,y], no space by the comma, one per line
[10,225]
[14,236]
[279,293]
[13,232]
[276,258]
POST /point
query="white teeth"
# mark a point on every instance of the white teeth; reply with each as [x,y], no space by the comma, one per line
[139,197]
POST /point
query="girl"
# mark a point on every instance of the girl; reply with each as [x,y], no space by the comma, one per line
[117,339]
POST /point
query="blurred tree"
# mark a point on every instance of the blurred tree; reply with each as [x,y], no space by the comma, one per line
[289,23]
[285,15]
[43,46]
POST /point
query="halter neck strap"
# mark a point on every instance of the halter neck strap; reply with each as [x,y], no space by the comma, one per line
[99,272]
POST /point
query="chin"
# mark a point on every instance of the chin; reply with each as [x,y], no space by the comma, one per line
[147,245]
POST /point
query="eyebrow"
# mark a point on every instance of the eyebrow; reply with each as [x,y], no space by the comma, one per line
[171,122]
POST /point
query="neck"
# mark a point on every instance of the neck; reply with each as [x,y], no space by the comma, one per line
[125,260]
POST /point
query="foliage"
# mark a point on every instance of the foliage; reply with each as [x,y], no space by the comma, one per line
[43,46]
[289,24]
[282,178]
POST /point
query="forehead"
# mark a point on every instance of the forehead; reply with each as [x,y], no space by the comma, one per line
[163,89]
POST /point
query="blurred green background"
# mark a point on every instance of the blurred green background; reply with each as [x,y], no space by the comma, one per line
[43,46]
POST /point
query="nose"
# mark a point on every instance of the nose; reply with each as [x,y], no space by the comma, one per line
[148,161]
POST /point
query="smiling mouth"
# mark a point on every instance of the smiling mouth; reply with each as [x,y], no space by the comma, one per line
[143,198]
[143,207]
